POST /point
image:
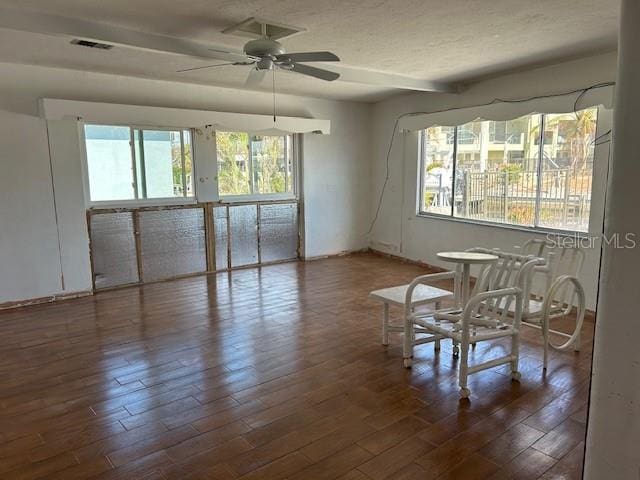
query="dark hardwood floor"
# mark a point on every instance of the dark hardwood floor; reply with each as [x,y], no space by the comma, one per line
[271,373]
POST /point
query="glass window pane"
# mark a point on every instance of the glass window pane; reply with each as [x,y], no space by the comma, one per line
[270,164]
[162,159]
[109,162]
[188,162]
[437,164]
[496,170]
[233,163]
[137,147]
[567,170]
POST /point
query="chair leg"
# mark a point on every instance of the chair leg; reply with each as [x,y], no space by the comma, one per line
[545,338]
[464,370]
[436,343]
[407,342]
[385,324]
[412,331]
[515,356]
[576,344]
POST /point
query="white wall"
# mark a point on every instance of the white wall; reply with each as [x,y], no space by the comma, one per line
[613,435]
[29,255]
[336,170]
[400,231]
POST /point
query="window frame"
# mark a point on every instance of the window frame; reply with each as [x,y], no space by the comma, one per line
[134,202]
[488,223]
[253,197]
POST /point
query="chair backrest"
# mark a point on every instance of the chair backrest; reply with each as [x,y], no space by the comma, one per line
[535,246]
[561,260]
[511,270]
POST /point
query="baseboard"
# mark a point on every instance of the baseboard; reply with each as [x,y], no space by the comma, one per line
[431,268]
[41,300]
[335,255]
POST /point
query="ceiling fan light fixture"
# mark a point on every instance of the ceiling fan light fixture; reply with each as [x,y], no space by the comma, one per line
[264,64]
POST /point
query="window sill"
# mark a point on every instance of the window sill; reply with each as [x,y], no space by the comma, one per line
[257,198]
[151,202]
[505,226]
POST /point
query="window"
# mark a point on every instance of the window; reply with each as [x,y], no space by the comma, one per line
[255,165]
[125,163]
[534,171]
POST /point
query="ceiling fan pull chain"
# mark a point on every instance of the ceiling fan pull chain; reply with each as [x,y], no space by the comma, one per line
[274,94]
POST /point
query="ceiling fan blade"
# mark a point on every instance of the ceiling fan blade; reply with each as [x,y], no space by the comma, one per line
[202,68]
[308,57]
[255,77]
[314,72]
[230,56]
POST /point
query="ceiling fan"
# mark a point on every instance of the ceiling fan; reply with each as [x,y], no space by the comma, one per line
[266,54]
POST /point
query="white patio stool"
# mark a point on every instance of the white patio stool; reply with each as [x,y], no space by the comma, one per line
[422,295]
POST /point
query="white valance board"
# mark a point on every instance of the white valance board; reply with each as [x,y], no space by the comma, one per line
[120,114]
[502,111]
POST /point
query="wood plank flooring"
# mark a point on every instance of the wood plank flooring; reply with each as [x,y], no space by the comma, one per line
[271,373]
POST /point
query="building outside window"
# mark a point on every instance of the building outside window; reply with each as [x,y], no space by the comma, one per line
[128,164]
[533,171]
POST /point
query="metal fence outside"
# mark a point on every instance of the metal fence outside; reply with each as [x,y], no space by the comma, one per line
[558,198]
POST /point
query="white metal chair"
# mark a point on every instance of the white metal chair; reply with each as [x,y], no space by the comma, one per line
[486,315]
[561,292]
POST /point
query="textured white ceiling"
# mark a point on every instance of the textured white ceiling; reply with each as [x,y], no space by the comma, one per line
[443,40]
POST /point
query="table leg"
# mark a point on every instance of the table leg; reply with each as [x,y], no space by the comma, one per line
[385,324]
[436,345]
[466,276]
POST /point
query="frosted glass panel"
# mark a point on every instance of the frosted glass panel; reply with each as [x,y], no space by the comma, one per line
[221,240]
[113,249]
[244,241]
[172,243]
[278,232]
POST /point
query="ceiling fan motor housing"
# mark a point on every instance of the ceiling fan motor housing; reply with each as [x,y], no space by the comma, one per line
[264,47]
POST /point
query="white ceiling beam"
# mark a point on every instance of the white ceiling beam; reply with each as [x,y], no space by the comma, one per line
[87,30]
[392,80]
[56,25]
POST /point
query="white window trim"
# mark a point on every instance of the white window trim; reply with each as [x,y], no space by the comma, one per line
[135,202]
[487,223]
[194,199]
[257,197]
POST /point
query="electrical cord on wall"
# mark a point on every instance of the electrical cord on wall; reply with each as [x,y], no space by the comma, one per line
[596,141]
[581,91]
[55,210]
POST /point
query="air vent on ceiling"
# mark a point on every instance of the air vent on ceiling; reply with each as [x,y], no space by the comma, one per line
[256,27]
[91,44]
